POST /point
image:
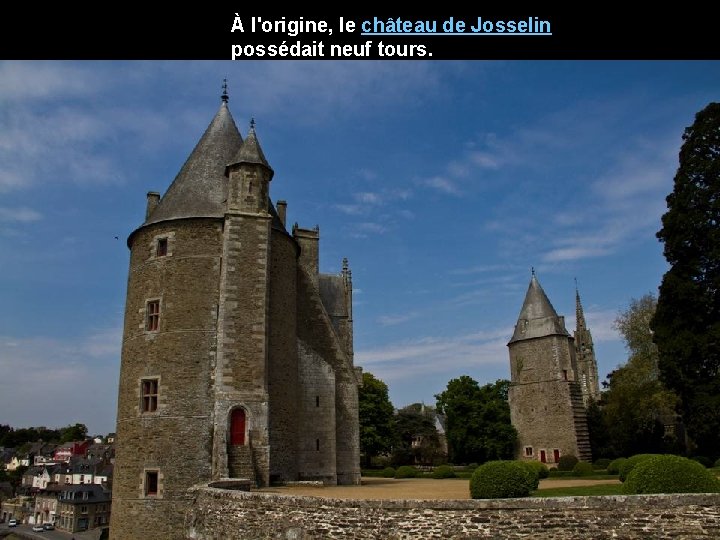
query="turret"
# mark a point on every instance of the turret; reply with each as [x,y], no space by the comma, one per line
[249,177]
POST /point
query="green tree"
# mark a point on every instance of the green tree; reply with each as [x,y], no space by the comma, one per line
[478,427]
[637,405]
[418,441]
[77,432]
[377,432]
[687,320]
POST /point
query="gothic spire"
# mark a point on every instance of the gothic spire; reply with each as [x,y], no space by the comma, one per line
[579,314]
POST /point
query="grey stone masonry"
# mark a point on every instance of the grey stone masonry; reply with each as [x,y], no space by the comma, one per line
[217,513]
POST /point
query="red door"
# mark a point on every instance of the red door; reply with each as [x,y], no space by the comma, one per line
[237,427]
[543,457]
[556,455]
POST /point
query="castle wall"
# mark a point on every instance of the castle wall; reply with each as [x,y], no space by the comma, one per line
[316,330]
[217,513]
[283,387]
[174,440]
[316,444]
[541,405]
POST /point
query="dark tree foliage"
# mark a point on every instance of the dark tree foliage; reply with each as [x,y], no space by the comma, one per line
[17,438]
[478,427]
[687,321]
[376,418]
[418,441]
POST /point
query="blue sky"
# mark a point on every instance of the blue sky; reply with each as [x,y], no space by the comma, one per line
[442,182]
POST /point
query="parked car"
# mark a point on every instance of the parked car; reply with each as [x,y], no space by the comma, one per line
[12,523]
[38,528]
[48,526]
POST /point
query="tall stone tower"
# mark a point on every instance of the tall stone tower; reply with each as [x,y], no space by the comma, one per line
[237,357]
[546,404]
[585,354]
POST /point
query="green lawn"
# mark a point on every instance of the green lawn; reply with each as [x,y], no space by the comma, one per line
[579,491]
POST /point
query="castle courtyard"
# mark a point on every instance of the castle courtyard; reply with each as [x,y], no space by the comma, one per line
[413,488]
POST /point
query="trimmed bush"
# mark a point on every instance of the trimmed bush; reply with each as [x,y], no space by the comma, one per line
[542,469]
[533,475]
[717,463]
[567,463]
[443,471]
[601,464]
[406,471]
[583,469]
[388,472]
[670,474]
[500,480]
[632,462]
[702,460]
[615,465]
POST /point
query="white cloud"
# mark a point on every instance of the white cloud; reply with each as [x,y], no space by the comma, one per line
[20,215]
[432,355]
[442,184]
[393,320]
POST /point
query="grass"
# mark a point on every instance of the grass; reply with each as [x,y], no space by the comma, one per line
[580,491]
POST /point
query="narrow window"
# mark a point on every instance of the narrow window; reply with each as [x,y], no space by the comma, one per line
[152,324]
[565,375]
[317,401]
[161,249]
[149,390]
[151,482]
[556,455]
[528,451]
[543,456]
[317,444]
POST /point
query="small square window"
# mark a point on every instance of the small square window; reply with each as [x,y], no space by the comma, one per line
[528,451]
[151,482]
[162,246]
[152,322]
[149,390]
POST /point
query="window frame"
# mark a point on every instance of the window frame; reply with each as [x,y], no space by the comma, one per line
[149,395]
[152,315]
[152,476]
[161,247]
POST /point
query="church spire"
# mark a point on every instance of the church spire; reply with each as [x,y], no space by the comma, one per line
[579,314]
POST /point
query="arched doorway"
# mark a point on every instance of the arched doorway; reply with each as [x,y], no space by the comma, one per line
[238,420]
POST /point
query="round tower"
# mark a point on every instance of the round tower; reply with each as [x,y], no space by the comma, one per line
[165,405]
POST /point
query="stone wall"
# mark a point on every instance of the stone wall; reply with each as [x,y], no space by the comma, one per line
[217,513]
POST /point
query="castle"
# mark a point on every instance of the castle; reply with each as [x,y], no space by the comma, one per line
[237,355]
[553,377]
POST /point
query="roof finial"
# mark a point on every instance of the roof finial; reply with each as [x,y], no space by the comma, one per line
[532,271]
[252,123]
[576,286]
[225,97]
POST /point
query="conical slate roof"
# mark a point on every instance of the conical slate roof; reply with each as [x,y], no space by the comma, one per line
[538,317]
[200,188]
[250,151]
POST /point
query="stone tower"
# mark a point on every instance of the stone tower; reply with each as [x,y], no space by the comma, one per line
[546,404]
[237,357]
[585,354]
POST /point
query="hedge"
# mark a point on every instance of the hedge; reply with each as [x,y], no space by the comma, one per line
[670,474]
[501,480]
